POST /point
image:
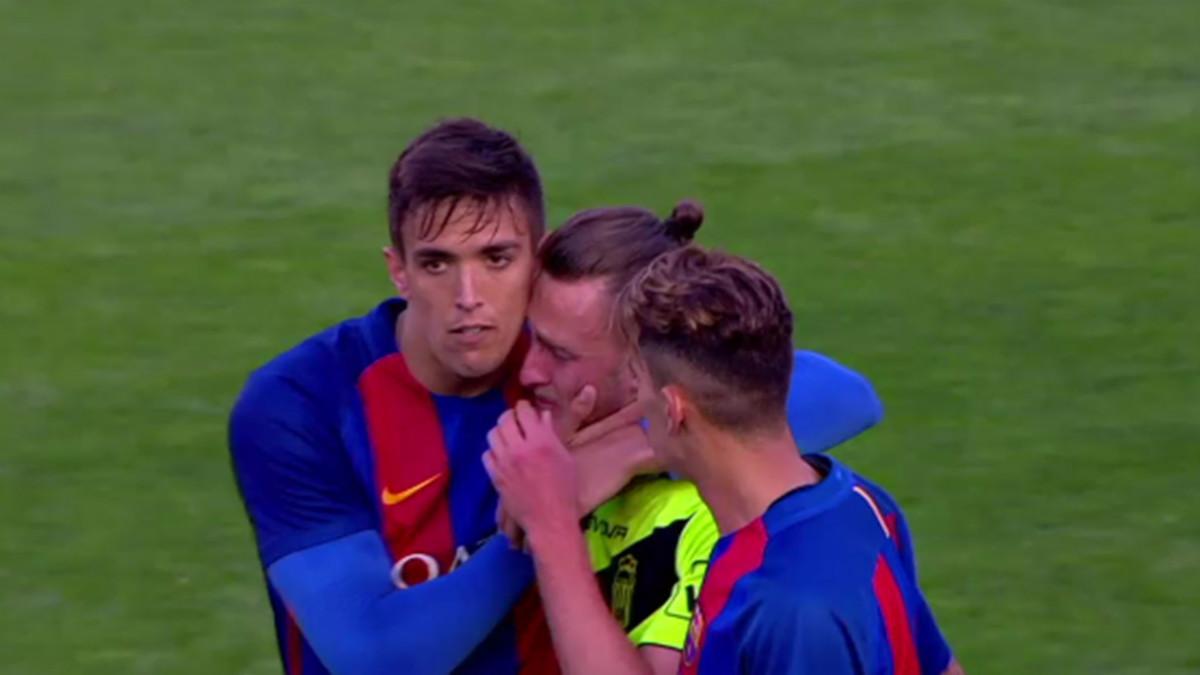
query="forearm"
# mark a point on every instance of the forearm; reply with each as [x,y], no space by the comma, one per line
[586,638]
[359,623]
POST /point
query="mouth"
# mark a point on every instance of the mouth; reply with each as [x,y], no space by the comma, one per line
[543,401]
[469,330]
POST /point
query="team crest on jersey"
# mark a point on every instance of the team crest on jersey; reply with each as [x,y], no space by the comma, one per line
[695,633]
[622,589]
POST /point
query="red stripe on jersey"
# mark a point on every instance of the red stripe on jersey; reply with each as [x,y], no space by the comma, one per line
[412,471]
[890,519]
[895,619]
[744,555]
[535,650]
[295,647]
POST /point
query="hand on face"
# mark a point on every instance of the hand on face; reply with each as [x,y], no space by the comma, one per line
[533,472]
[608,454]
[568,422]
[628,417]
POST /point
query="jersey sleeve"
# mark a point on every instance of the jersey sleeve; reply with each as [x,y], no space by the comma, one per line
[359,623]
[297,484]
[932,649]
[787,635]
[897,526]
[668,625]
[828,403]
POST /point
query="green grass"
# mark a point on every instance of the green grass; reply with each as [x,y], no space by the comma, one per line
[989,206]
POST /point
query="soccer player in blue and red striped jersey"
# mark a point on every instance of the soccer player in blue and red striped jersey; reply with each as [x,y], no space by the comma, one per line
[814,571]
[357,451]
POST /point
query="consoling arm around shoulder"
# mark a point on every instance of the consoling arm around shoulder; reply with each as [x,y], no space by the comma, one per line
[358,622]
[828,403]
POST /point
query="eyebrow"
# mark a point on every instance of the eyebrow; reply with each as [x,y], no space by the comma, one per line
[430,253]
[498,247]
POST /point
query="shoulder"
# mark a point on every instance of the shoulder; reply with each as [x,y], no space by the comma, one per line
[785,632]
[289,410]
[652,505]
[309,376]
[660,512]
[785,598]
[817,366]
[344,349]
[662,498]
[829,403]
[295,388]
[784,605]
[880,497]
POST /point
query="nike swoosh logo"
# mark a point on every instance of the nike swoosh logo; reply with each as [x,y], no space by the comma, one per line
[393,498]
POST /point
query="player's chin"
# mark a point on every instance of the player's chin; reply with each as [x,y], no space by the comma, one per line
[479,363]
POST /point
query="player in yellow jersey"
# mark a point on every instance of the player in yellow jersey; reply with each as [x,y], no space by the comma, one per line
[649,545]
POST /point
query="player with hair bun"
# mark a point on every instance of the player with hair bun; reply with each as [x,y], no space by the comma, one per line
[649,545]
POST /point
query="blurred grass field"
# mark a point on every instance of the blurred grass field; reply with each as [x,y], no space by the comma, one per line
[990,207]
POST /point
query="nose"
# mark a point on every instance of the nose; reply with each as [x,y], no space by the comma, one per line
[468,298]
[533,370]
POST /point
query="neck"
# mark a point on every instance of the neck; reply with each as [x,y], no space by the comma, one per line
[430,372]
[740,476]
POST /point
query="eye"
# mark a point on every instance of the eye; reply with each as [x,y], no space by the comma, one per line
[556,353]
[499,260]
[434,266]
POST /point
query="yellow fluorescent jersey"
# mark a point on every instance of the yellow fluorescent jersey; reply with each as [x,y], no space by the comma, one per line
[650,546]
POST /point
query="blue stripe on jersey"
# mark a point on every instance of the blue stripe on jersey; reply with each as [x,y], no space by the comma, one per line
[473,501]
[466,423]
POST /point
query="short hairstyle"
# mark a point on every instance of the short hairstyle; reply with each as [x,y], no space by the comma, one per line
[615,243]
[719,326]
[456,161]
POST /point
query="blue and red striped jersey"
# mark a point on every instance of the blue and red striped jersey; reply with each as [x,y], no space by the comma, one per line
[361,485]
[336,437]
[823,582]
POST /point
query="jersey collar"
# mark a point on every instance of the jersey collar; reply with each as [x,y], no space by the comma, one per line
[381,327]
[808,501]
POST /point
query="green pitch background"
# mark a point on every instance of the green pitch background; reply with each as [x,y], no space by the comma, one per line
[989,206]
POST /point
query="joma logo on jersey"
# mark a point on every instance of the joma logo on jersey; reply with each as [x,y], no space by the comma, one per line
[606,529]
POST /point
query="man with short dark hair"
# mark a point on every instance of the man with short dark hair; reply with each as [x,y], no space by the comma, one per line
[357,451]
